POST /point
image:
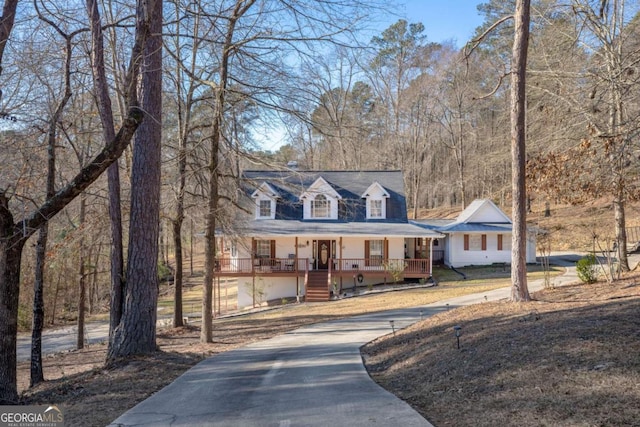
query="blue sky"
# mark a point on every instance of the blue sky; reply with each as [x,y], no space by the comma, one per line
[443,19]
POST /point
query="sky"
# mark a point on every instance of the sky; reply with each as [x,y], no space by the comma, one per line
[443,19]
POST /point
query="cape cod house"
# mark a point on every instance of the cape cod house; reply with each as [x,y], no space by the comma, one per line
[310,233]
[480,235]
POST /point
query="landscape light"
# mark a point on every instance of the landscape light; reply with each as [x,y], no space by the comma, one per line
[391,322]
[457,329]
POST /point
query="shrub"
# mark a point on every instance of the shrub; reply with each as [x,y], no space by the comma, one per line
[587,269]
[164,272]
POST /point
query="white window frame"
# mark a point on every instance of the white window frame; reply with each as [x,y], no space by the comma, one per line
[321,207]
[375,208]
[262,206]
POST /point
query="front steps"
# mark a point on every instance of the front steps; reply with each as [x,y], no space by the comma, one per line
[317,287]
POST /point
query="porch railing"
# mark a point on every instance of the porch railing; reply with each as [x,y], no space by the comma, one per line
[260,265]
[380,264]
[345,265]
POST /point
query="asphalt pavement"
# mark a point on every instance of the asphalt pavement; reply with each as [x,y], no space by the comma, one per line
[313,376]
[58,340]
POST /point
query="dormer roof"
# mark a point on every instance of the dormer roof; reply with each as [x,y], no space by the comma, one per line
[267,190]
[346,186]
[372,188]
[320,186]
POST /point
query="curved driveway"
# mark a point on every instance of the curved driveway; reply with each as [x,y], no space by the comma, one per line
[312,376]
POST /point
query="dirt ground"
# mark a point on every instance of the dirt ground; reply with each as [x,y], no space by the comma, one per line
[568,358]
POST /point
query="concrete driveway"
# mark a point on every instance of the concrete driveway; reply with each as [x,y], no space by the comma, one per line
[312,376]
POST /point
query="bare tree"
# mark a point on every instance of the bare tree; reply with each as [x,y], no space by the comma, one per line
[616,65]
[190,98]
[37,374]
[14,233]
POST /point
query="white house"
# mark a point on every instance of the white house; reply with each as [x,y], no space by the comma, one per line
[311,233]
[480,235]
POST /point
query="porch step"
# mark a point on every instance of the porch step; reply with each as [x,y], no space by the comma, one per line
[317,288]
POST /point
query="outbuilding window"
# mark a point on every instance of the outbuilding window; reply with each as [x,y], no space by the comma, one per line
[475,242]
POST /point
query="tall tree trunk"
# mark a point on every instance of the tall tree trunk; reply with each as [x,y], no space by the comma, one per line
[117,255]
[14,235]
[54,304]
[618,160]
[620,227]
[461,162]
[10,257]
[519,289]
[184,120]
[178,319]
[94,286]
[206,331]
[105,110]
[177,224]
[82,280]
[136,333]
[36,371]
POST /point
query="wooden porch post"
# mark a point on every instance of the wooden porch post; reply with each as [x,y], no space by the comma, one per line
[295,268]
[385,258]
[430,265]
[253,271]
[340,264]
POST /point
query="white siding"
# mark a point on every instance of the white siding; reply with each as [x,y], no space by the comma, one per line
[273,287]
[458,257]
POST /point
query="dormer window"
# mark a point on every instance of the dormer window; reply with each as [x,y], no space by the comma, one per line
[265,197]
[376,199]
[375,209]
[320,201]
[320,207]
[265,209]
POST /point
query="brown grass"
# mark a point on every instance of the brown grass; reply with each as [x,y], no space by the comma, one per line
[569,358]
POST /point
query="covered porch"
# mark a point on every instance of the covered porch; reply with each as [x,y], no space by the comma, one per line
[386,268]
[326,257]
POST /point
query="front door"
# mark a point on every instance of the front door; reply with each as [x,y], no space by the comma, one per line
[324,254]
[421,248]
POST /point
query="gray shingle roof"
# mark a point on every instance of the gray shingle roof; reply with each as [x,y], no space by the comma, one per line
[349,184]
